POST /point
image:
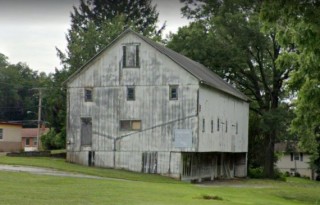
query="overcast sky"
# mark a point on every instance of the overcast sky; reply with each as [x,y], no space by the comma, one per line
[31,29]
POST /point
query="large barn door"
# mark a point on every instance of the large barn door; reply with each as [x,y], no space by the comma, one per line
[86,131]
[149,162]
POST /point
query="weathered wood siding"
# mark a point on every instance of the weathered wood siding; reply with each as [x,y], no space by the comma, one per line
[232,115]
[159,116]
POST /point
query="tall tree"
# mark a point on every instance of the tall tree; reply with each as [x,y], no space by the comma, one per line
[298,26]
[232,44]
[17,96]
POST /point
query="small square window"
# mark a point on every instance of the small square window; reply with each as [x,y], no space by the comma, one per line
[130,93]
[125,125]
[136,125]
[88,95]
[173,95]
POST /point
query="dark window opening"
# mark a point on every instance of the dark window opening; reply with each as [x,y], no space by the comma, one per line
[226,126]
[211,126]
[88,95]
[1,134]
[173,95]
[203,125]
[130,93]
[131,56]
[218,124]
[237,128]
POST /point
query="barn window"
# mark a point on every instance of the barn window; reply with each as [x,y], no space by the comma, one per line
[1,134]
[173,92]
[86,131]
[88,94]
[237,128]
[211,126]
[203,125]
[301,156]
[226,126]
[218,124]
[130,93]
[131,57]
[127,125]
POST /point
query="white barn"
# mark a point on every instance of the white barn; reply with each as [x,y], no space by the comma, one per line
[140,106]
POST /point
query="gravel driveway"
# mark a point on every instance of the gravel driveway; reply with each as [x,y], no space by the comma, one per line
[43,171]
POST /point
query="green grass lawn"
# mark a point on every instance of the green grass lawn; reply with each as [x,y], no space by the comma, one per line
[24,188]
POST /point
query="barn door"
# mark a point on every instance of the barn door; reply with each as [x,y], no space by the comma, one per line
[149,162]
[86,131]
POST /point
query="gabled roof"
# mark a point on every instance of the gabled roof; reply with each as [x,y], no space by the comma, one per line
[202,73]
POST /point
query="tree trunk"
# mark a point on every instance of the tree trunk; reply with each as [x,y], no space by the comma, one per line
[269,154]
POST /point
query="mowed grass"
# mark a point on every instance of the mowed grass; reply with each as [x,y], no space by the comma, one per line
[25,188]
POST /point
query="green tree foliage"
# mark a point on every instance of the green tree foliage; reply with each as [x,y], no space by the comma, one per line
[298,26]
[16,90]
[226,37]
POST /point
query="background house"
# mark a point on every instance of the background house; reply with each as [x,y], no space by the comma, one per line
[29,138]
[10,137]
[293,160]
[140,106]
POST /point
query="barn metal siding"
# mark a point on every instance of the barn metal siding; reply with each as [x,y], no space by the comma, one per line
[159,116]
[231,112]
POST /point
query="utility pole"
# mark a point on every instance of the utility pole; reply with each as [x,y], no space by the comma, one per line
[39,116]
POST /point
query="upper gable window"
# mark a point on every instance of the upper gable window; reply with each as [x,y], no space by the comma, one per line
[88,94]
[173,92]
[131,57]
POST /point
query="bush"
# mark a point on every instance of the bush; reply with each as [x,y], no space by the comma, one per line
[278,175]
[297,174]
[52,140]
[256,173]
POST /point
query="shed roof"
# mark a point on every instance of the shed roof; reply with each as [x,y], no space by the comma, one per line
[33,132]
[202,73]
[11,123]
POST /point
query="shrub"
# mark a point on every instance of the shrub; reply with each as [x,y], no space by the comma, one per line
[297,174]
[52,140]
[255,173]
[278,175]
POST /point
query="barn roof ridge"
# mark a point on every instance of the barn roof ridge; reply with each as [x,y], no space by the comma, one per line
[202,73]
